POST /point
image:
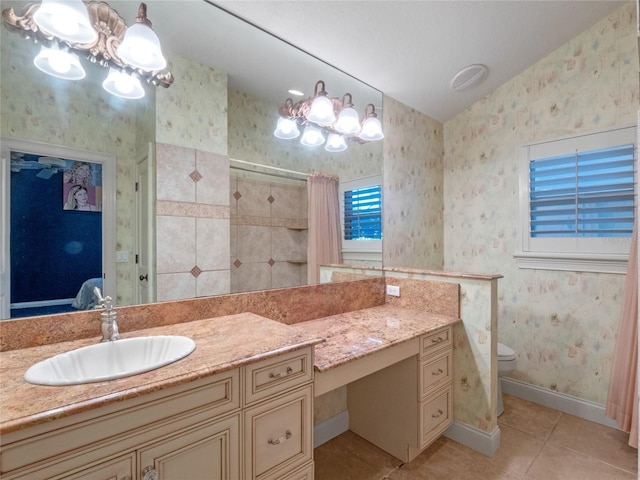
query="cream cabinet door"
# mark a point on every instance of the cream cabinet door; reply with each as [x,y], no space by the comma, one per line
[206,452]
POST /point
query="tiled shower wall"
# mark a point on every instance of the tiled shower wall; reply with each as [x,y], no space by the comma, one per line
[192,214]
[268,232]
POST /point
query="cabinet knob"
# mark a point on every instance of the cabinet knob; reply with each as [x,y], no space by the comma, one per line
[437,340]
[149,473]
[144,277]
[435,415]
[439,372]
[279,440]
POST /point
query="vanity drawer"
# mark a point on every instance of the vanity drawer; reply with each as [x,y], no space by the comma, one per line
[304,473]
[435,415]
[435,341]
[434,372]
[275,375]
[278,435]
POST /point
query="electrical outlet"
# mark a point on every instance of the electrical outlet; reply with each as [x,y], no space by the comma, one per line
[393,290]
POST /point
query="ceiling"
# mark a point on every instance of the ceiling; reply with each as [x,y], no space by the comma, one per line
[410,50]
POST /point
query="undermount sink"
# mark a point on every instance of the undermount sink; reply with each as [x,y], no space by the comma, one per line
[110,360]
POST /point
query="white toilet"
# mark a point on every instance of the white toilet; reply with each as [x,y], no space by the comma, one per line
[506,365]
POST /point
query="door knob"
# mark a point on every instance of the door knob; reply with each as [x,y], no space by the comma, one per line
[144,277]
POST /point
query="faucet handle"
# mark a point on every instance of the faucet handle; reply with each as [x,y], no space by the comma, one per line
[103,302]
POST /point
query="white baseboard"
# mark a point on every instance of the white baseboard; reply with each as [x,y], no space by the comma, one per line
[330,428]
[486,443]
[479,440]
[559,401]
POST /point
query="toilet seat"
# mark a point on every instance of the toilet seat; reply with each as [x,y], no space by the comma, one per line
[505,353]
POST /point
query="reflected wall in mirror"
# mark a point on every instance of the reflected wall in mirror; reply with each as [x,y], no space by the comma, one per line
[214,112]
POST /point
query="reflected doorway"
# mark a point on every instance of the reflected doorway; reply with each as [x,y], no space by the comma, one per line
[56,236]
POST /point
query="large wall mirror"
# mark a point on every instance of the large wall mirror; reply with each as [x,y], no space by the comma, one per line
[197,168]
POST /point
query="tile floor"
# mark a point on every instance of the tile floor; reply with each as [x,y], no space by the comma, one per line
[537,443]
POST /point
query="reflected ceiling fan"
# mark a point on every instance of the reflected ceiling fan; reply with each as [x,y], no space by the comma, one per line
[48,166]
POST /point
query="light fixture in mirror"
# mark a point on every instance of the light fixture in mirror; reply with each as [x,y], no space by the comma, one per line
[312,136]
[109,43]
[371,127]
[59,63]
[68,20]
[286,129]
[335,143]
[141,46]
[123,85]
[333,117]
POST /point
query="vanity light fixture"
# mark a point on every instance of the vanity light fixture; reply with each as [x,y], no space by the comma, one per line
[122,84]
[60,63]
[67,29]
[331,119]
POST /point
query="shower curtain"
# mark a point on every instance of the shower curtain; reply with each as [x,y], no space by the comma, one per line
[622,401]
[324,224]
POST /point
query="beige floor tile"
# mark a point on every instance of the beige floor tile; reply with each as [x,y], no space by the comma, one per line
[603,443]
[528,417]
[559,463]
[448,460]
[350,457]
[517,451]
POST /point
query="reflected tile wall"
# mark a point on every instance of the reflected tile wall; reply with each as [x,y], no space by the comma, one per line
[192,219]
[562,325]
[268,232]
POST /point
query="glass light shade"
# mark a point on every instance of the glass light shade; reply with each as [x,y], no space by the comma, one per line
[286,129]
[59,63]
[335,143]
[321,111]
[371,130]
[312,136]
[348,121]
[66,19]
[140,48]
[123,85]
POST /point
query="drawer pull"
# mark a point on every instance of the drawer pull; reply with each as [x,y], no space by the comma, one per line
[280,375]
[439,372]
[437,340]
[437,415]
[149,473]
[280,440]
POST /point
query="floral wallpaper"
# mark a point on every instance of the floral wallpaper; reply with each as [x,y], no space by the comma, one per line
[412,196]
[562,325]
[192,112]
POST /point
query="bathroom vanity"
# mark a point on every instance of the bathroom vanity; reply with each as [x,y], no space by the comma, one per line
[233,409]
[240,406]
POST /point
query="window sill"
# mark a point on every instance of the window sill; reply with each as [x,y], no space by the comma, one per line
[616,264]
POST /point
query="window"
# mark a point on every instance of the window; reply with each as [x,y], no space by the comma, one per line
[578,202]
[361,212]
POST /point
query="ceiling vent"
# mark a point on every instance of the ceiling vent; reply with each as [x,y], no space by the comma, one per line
[469,77]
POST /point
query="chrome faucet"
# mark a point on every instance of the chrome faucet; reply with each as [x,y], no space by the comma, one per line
[108,317]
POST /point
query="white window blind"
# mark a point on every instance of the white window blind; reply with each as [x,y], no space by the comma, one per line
[585,194]
[363,213]
[578,201]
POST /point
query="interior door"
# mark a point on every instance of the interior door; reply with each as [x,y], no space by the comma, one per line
[5,263]
[145,273]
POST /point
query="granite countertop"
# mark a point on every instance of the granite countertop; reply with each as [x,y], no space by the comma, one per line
[352,335]
[222,343]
